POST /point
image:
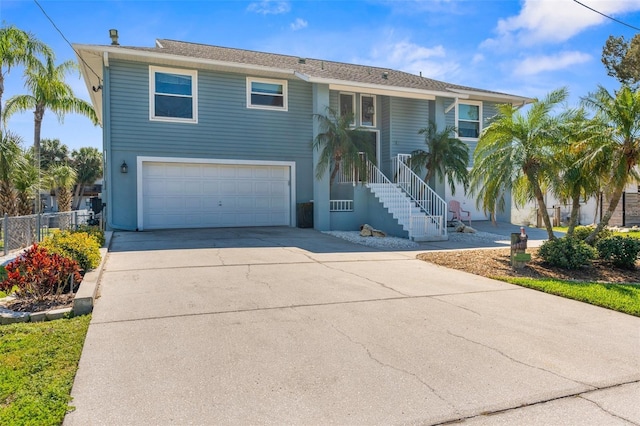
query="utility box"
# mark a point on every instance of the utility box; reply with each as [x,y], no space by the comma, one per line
[304,215]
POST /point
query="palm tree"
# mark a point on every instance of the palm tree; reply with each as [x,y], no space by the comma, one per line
[446,156]
[87,162]
[617,120]
[48,91]
[53,152]
[25,182]
[515,153]
[340,145]
[10,158]
[61,179]
[578,177]
[17,47]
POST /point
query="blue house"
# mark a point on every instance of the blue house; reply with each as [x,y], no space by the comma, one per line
[206,136]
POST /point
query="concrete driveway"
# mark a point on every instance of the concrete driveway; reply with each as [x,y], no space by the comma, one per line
[291,326]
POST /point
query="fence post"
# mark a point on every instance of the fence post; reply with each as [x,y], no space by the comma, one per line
[75,220]
[38,227]
[5,233]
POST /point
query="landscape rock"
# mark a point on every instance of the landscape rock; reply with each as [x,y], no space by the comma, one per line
[368,231]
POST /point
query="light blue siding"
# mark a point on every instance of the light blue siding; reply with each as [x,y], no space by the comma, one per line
[226,129]
[408,116]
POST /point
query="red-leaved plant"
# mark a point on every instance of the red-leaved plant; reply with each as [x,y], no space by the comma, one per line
[38,274]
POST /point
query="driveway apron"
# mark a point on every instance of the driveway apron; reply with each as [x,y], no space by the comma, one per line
[292,326]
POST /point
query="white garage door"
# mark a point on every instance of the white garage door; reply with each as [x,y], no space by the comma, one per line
[194,195]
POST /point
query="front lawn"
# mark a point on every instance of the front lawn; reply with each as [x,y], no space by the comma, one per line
[619,297]
[38,363]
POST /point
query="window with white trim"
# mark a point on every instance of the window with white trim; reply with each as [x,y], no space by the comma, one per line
[267,94]
[368,110]
[173,94]
[348,106]
[469,119]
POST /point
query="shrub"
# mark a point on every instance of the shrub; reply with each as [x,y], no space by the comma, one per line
[619,251]
[78,246]
[36,273]
[569,253]
[3,273]
[94,231]
[582,232]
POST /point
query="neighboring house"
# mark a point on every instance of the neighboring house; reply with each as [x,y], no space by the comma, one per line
[221,137]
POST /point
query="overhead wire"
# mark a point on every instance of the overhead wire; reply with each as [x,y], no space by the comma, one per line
[68,42]
[607,16]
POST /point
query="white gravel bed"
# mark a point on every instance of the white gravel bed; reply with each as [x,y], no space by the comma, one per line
[404,243]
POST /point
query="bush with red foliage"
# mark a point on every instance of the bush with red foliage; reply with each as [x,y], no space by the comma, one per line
[38,274]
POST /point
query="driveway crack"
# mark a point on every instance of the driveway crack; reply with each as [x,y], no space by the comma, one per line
[582,396]
[257,280]
[498,351]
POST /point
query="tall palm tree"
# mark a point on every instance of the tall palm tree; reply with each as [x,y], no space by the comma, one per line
[48,90]
[17,47]
[340,144]
[61,179]
[515,153]
[87,162]
[445,156]
[617,118]
[10,158]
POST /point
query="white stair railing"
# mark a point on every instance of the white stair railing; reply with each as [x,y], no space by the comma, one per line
[421,193]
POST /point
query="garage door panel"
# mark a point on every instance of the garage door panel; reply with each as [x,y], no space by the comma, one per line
[214,195]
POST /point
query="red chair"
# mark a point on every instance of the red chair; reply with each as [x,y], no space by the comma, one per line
[458,213]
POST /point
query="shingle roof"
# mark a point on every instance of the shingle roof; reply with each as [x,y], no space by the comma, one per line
[315,68]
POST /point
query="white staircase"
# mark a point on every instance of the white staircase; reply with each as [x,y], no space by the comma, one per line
[416,207]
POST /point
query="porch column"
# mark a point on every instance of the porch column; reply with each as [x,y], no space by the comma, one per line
[321,193]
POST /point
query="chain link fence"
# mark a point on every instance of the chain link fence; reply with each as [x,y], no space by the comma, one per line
[17,232]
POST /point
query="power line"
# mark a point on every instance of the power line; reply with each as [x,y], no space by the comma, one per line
[607,16]
[65,39]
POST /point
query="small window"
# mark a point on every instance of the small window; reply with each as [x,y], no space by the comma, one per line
[348,106]
[368,110]
[173,95]
[469,125]
[267,94]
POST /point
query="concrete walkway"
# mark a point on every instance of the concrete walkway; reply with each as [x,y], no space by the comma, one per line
[291,326]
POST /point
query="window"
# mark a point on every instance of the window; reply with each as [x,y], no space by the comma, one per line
[266,94]
[469,125]
[173,95]
[348,106]
[368,110]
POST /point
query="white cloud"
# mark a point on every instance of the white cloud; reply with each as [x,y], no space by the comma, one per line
[299,24]
[537,64]
[413,58]
[269,7]
[477,58]
[554,21]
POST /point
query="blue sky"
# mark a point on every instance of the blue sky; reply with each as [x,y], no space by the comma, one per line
[524,48]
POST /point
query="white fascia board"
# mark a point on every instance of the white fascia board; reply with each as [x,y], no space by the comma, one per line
[493,96]
[187,60]
[88,65]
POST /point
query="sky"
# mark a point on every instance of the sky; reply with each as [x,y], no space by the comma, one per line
[525,48]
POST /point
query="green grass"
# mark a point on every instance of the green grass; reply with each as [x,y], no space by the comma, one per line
[619,297]
[635,233]
[38,362]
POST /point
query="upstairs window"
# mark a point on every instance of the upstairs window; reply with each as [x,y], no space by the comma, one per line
[469,125]
[368,110]
[348,106]
[267,94]
[173,95]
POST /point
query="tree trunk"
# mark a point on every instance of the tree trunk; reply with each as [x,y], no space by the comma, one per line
[25,204]
[77,196]
[613,203]
[7,199]
[1,93]
[38,115]
[64,199]
[573,218]
[542,206]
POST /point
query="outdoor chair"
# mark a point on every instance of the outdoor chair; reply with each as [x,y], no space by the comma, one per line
[458,213]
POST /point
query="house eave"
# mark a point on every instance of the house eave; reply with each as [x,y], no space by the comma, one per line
[489,96]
